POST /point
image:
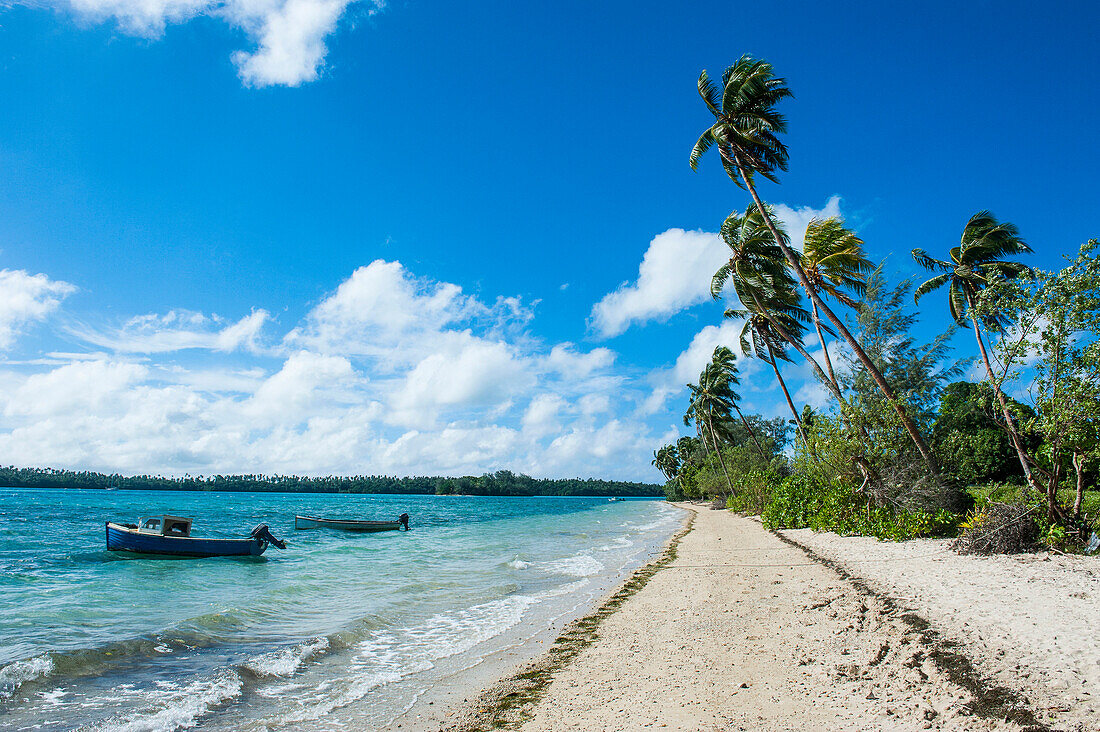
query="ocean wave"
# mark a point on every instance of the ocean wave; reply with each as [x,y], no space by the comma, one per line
[580,565]
[17,673]
[285,661]
[176,706]
[392,655]
[518,563]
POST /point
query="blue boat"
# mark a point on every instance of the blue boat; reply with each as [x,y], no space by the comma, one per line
[170,536]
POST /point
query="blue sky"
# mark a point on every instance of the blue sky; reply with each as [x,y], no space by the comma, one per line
[192,195]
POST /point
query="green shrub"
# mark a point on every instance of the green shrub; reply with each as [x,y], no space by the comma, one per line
[800,502]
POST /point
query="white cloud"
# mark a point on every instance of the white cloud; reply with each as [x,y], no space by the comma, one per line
[479,374]
[674,274]
[384,312]
[670,381]
[178,330]
[567,362]
[26,299]
[542,415]
[289,35]
[389,374]
[676,270]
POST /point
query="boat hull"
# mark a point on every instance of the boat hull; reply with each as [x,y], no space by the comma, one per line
[123,539]
[314,522]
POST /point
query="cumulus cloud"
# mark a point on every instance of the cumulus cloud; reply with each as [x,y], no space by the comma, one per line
[674,274]
[288,35]
[390,373]
[26,299]
[676,270]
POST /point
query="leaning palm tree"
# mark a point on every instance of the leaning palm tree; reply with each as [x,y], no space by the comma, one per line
[763,283]
[979,260]
[836,265]
[667,460]
[711,405]
[746,132]
[758,336]
[725,362]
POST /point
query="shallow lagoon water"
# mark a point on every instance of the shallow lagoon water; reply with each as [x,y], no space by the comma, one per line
[339,631]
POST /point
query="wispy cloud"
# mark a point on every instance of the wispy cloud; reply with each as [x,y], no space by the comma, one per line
[177,330]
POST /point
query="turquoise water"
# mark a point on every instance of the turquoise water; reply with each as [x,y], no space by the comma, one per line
[340,631]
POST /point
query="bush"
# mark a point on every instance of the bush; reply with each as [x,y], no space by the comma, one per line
[801,502]
[999,528]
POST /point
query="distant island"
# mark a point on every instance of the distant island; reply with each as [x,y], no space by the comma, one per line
[499,483]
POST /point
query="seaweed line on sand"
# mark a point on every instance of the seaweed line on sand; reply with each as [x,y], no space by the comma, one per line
[990,700]
[508,702]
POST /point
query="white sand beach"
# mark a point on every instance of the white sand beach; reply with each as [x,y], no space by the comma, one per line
[744,630]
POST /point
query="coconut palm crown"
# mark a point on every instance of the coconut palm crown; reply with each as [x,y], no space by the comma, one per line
[834,261]
[746,125]
[979,260]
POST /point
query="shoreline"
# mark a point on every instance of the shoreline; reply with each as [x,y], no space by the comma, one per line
[444,705]
[771,631]
[506,701]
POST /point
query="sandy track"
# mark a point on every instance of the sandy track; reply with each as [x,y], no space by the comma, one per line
[744,631]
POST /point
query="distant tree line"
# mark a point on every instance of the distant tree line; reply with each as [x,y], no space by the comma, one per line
[499,483]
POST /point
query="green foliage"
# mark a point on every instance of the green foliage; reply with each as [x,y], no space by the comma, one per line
[1051,533]
[969,438]
[799,502]
[1053,341]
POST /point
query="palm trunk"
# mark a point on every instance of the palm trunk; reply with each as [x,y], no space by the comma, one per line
[876,375]
[752,434]
[718,449]
[1010,426]
[787,396]
[824,346]
[796,344]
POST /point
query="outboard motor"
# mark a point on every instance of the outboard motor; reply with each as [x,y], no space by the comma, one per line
[262,533]
[404,519]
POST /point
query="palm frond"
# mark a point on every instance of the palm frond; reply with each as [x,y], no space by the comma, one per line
[708,90]
[706,140]
[932,284]
[923,259]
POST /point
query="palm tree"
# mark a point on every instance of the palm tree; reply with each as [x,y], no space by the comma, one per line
[763,283]
[758,336]
[746,132]
[975,263]
[667,460]
[713,401]
[835,264]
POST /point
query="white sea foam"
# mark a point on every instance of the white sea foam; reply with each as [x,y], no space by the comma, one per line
[620,542]
[580,565]
[17,673]
[53,698]
[181,707]
[393,655]
[285,661]
[518,563]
